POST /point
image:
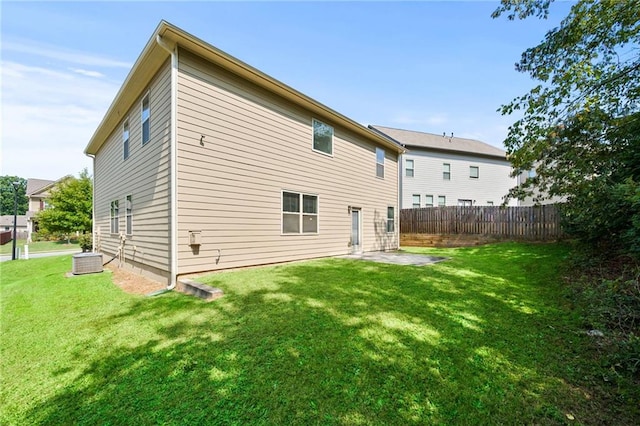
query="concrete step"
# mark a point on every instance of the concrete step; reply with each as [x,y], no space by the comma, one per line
[200,290]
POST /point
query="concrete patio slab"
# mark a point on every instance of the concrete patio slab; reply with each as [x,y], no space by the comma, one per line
[396,258]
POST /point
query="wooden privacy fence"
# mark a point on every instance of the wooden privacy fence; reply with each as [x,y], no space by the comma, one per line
[537,223]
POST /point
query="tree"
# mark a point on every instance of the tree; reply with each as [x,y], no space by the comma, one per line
[580,125]
[6,195]
[70,206]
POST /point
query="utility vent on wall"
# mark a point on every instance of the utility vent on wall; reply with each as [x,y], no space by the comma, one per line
[86,263]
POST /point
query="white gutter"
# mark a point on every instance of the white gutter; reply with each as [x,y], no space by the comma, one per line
[93,202]
[173,268]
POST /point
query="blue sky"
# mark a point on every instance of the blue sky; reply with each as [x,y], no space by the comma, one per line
[427,66]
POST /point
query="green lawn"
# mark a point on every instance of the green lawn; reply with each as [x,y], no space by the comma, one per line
[484,338]
[40,246]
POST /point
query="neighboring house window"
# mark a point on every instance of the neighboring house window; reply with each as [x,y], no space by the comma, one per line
[474,172]
[531,174]
[299,213]
[114,217]
[408,168]
[146,115]
[490,203]
[442,201]
[391,222]
[416,201]
[322,137]
[428,200]
[446,171]
[465,203]
[125,140]
[129,215]
[380,162]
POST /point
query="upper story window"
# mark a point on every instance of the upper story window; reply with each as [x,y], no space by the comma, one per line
[380,162]
[408,167]
[299,213]
[125,140]
[446,171]
[416,201]
[474,172]
[146,116]
[322,137]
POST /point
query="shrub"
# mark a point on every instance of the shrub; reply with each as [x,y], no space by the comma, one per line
[86,242]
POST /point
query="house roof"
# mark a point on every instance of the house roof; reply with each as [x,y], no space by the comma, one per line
[37,185]
[7,220]
[153,56]
[430,141]
[40,186]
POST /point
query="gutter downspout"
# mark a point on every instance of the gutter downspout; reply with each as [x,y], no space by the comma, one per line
[93,202]
[173,268]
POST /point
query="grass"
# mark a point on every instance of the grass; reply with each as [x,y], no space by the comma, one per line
[484,338]
[40,246]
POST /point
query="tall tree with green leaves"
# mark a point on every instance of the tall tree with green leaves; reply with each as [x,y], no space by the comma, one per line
[580,124]
[6,195]
[70,206]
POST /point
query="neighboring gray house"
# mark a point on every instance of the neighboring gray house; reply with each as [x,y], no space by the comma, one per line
[442,170]
[6,224]
[203,163]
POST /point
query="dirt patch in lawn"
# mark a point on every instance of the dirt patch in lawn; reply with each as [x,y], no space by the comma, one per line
[133,283]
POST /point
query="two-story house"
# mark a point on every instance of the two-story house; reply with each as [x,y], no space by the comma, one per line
[203,162]
[446,170]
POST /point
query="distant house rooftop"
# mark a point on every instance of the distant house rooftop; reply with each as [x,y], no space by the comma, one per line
[7,221]
[431,141]
[36,185]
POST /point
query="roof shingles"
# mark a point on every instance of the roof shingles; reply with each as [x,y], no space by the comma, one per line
[413,139]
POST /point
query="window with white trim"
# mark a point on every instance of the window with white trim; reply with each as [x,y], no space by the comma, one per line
[322,137]
[442,201]
[125,140]
[446,171]
[428,200]
[465,203]
[474,172]
[391,219]
[146,117]
[408,167]
[416,201]
[489,203]
[380,162]
[114,217]
[299,213]
[129,214]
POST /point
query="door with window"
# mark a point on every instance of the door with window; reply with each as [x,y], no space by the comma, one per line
[356,239]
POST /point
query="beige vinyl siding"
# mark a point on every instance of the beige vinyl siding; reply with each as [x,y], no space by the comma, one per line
[255,146]
[144,176]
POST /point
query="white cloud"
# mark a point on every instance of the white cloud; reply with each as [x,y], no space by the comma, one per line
[48,117]
[88,73]
[60,54]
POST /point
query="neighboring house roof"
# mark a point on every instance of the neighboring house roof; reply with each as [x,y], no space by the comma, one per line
[7,220]
[430,141]
[37,185]
[153,56]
